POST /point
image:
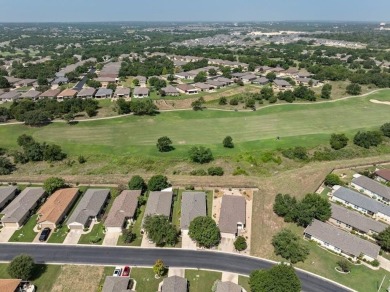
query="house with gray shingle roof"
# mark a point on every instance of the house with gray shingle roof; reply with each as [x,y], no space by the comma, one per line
[141,92]
[159,203]
[17,212]
[6,195]
[10,96]
[224,80]
[122,210]
[371,188]
[171,91]
[281,85]
[261,81]
[174,284]
[88,209]
[122,92]
[31,94]
[86,92]
[193,204]
[232,217]
[353,221]
[361,203]
[227,287]
[340,241]
[103,93]
[116,284]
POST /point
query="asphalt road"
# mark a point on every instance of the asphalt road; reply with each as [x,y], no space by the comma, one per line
[97,255]
[81,83]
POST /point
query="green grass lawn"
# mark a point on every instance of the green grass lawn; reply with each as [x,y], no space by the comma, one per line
[244,283]
[145,279]
[296,124]
[108,271]
[200,281]
[97,231]
[26,233]
[136,229]
[209,198]
[59,235]
[44,276]
[177,208]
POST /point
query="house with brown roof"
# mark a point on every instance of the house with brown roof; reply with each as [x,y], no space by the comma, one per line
[170,91]
[232,217]
[122,211]
[281,85]
[383,175]
[67,93]
[140,92]
[187,89]
[122,92]
[10,285]
[51,94]
[57,206]
[205,87]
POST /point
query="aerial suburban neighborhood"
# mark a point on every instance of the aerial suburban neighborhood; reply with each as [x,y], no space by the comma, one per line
[195,146]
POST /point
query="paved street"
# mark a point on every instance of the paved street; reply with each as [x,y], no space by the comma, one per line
[100,255]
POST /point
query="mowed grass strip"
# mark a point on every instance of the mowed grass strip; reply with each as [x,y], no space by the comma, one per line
[145,279]
[26,233]
[308,123]
[200,281]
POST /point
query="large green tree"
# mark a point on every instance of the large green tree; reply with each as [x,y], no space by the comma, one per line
[354,89]
[385,128]
[160,230]
[53,183]
[338,141]
[280,278]
[137,183]
[21,267]
[383,239]
[204,231]
[164,144]
[6,166]
[313,206]
[290,246]
[326,91]
[368,139]
[158,183]
[285,206]
[228,142]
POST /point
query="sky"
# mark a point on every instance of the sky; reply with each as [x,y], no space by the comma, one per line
[193,10]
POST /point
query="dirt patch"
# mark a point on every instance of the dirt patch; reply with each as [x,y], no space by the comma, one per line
[78,278]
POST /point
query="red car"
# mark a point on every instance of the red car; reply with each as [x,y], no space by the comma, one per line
[126,271]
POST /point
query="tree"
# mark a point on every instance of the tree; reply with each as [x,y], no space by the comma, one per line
[299,153]
[228,142]
[52,184]
[200,154]
[240,243]
[285,206]
[164,144]
[267,92]
[338,141]
[345,265]
[6,166]
[128,235]
[204,231]
[215,171]
[354,89]
[158,183]
[52,152]
[171,77]
[160,230]
[289,246]
[36,117]
[25,140]
[201,77]
[198,104]
[333,179]
[326,91]
[383,239]
[159,268]
[94,83]
[69,117]
[313,206]
[212,72]
[271,76]
[137,183]
[4,82]
[143,107]
[385,128]
[135,82]
[111,86]
[21,267]
[222,100]
[368,139]
[122,107]
[280,278]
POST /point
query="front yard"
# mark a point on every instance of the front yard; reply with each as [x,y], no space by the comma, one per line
[96,235]
[26,233]
[200,281]
[137,226]
[145,279]
[59,235]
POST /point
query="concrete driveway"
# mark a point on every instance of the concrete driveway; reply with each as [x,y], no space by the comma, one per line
[145,242]
[6,233]
[73,237]
[186,241]
[227,244]
[111,238]
[176,272]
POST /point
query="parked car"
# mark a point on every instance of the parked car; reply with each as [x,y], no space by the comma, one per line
[126,271]
[117,272]
[44,234]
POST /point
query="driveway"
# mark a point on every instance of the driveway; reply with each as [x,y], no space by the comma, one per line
[6,233]
[227,244]
[145,242]
[73,237]
[111,238]
[186,241]
[176,272]
[229,277]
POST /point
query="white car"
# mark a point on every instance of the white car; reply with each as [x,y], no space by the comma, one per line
[117,272]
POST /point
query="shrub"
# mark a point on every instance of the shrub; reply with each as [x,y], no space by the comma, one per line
[332,180]
[385,128]
[81,159]
[201,154]
[240,243]
[298,153]
[222,101]
[233,101]
[198,172]
[375,263]
[158,183]
[215,171]
[338,141]
[137,183]
[368,139]
[228,142]
[344,265]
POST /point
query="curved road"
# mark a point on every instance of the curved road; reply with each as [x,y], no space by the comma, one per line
[99,255]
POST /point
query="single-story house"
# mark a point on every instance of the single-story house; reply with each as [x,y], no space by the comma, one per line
[304,75]
[12,80]
[87,92]
[174,284]
[193,204]
[204,86]
[290,72]
[88,209]
[159,203]
[383,175]
[361,203]
[262,69]
[248,78]
[140,92]
[238,75]
[106,80]
[103,93]
[185,75]
[227,287]
[7,194]
[122,211]
[10,285]
[142,80]
[306,81]
[57,206]
[67,93]
[341,242]
[170,91]
[17,212]
[10,96]
[276,70]
[371,188]
[51,94]
[31,94]
[122,92]
[187,89]
[281,85]
[233,215]
[261,81]
[24,82]
[216,84]
[58,82]
[117,284]
[354,221]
